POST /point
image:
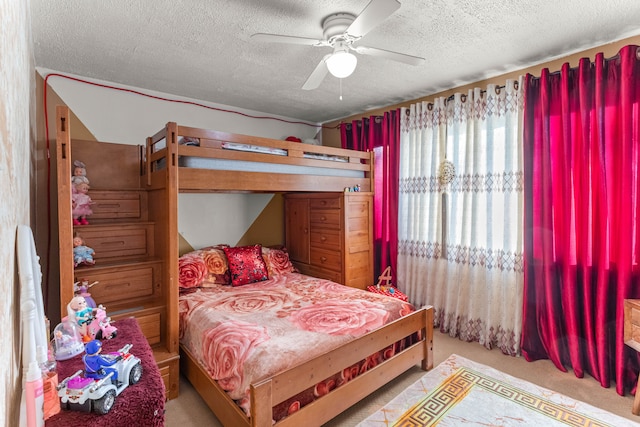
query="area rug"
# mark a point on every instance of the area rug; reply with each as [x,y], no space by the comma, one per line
[460,392]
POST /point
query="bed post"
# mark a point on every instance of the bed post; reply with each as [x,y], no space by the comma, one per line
[427,363]
[371,175]
[65,228]
[147,163]
[261,404]
[172,332]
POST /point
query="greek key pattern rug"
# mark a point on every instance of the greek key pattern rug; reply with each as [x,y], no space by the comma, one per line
[462,392]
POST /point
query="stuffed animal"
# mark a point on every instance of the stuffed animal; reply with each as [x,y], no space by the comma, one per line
[82,254]
[80,200]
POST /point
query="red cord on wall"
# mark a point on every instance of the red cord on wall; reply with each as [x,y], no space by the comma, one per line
[135,92]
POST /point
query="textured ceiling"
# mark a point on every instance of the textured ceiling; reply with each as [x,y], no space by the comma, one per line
[202,48]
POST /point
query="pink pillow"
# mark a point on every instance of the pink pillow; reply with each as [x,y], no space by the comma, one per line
[204,268]
[277,261]
[192,271]
[217,265]
[246,264]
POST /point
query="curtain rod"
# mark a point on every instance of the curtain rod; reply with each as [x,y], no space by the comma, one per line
[498,88]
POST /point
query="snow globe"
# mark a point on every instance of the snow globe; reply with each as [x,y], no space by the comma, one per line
[67,341]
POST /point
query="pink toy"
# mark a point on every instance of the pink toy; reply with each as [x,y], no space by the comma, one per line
[80,200]
[93,323]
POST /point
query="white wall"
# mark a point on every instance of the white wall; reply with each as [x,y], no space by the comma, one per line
[17,136]
[113,115]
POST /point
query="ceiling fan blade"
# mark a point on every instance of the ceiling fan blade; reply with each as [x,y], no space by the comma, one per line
[396,56]
[317,75]
[372,15]
[277,38]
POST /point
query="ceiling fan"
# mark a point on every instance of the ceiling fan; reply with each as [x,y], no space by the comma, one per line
[340,32]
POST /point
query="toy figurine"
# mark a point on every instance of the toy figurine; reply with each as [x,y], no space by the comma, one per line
[79,169]
[97,366]
[67,341]
[81,288]
[96,391]
[80,200]
[81,314]
[92,323]
[82,254]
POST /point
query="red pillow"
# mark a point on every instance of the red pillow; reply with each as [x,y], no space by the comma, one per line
[246,264]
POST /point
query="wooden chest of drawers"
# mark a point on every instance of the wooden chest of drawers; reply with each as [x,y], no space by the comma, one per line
[329,235]
[632,323]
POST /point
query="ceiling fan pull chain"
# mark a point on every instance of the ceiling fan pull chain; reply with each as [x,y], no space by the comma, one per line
[340,89]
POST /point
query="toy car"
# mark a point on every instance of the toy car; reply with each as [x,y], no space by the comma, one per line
[81,393]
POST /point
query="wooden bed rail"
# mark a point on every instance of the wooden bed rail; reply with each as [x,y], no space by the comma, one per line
[164,148]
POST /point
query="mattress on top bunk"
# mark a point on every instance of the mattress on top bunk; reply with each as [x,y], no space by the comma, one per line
[248,166]
[242,165]
[244,334]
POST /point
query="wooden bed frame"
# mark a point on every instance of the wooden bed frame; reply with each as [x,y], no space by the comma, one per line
[266,394]
[165,179]
[164,148]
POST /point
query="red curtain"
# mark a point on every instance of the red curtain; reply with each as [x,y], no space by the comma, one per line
[382,135]
[582,234]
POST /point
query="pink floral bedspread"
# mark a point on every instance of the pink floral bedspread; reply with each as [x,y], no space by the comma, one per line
[244,334]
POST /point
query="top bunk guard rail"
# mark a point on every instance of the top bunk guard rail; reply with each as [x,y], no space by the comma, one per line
[207,160]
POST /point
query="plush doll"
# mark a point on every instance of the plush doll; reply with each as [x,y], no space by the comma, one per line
[80,200]
[82,254]
[79,169]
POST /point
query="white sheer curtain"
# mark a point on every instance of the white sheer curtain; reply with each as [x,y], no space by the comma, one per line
[460,219]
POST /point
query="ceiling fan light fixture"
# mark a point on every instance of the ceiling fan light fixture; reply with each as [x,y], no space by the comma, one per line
[342,63]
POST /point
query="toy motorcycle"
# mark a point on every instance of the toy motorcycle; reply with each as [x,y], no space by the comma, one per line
[81,393]
[100,327]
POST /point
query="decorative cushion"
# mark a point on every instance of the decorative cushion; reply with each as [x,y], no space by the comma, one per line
[192,270]
[204,268]
[246,264]
[217,265]
[277,261]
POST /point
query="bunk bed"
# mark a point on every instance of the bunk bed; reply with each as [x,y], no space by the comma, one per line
[186,159]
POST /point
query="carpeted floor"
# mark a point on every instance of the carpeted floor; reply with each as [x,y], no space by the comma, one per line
[189,410]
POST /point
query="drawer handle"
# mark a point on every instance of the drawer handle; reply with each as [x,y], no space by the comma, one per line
[323,218]
[323,239]
[324,202]
[118,242]
[323,259]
